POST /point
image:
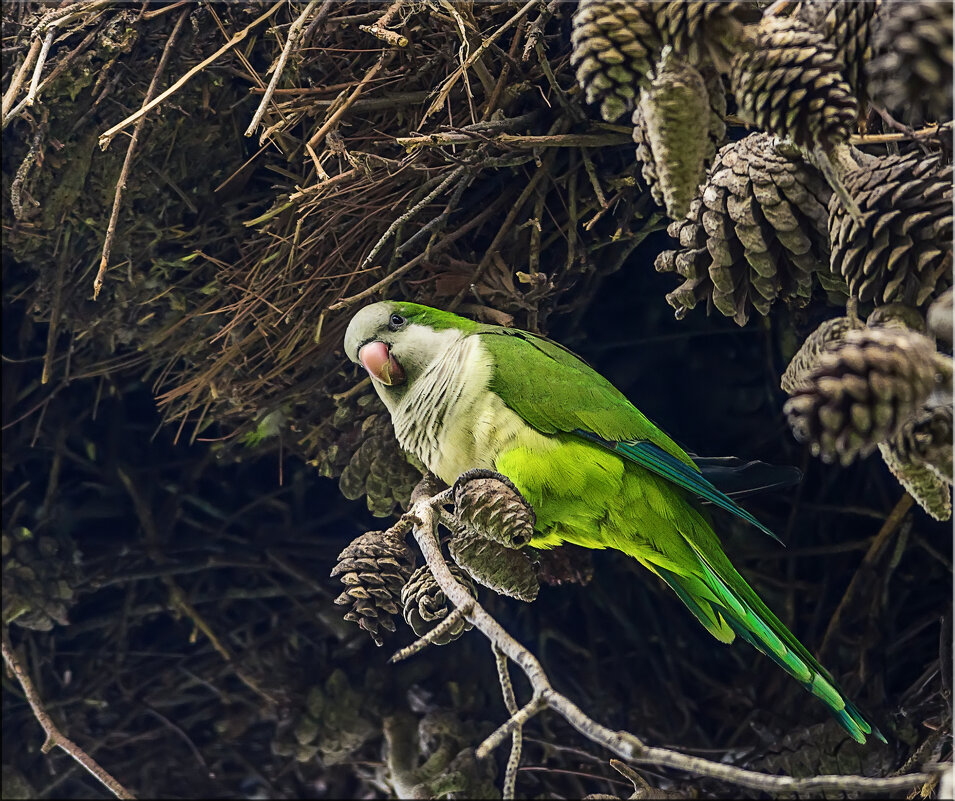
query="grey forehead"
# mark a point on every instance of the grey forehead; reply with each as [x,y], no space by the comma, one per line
[364,324]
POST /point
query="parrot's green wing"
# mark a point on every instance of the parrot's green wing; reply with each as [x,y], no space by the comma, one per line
[555,390]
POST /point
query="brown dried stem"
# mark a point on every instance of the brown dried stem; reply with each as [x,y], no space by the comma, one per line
[107,136]
[423,517]
[130,152]
[54,737]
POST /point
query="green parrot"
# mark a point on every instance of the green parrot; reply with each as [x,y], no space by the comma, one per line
[598,473]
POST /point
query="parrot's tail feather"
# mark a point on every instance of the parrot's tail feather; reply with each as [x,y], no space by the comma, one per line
[727,604]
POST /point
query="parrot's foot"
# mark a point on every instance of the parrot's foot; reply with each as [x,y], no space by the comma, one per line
[491,506]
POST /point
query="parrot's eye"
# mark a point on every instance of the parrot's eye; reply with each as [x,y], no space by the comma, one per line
[396,322]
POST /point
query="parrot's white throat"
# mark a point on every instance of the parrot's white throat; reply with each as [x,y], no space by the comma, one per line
[447,417]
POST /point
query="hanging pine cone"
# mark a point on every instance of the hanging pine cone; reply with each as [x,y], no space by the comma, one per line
[490,506]
[898,315]
[615,42]
[911,70]
[667,120]
[932,493]
[504,570]
[705,32]
[849,26]
[374,568]
[797,373]
[789,82]
[338,436]
[425,604]
[379,469]
[926,439]
[709,139]
[755,235]
[861,392]
[903,250]
[39,576]
[940,316]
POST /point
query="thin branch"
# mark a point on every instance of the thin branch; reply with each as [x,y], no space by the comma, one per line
[127,162]
[54,737]
[293,35]
[517,736]
[327,126]
[423,516]
[19,77]
[107,136]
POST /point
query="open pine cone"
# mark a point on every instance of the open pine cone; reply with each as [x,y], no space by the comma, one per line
[615,42]
[862,391]
[849,26]
[705,33]
[755,235]
[796,375]
[39,576]
[789,82]
[374,568]
[424,604]
[912,66]
[903,250]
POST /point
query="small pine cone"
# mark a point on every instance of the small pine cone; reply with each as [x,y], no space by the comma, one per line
[615,42]
[940,316]
[896,315]
[797,373]
[39,576]
[903,250]
[374,568]
[424,603]
[706,32]
[848,25]
[504,570]
[379,469]
[861,391]
[671,108]
[911,71]
[790,83]
[339,435]
[926,439]
[755,235]
[921,482]
[714,138]
[492,508]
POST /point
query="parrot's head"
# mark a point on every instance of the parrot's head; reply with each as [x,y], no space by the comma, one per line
[396,342]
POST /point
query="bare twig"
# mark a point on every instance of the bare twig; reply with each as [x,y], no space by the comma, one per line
[294,32]
[424,516]
[10,95]
[517,736]
[359,88]
[107,136]
[127,162]
[41,60]
[609,139]
[54,737]
[429,638]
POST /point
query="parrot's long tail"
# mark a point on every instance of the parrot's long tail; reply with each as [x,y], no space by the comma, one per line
[726,605]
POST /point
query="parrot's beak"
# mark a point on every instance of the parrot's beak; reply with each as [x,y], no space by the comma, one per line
[376,358]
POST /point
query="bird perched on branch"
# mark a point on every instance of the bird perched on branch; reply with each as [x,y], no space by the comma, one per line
[598,473]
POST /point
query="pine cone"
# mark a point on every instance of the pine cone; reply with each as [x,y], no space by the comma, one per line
[897,315]
[338,437]
[615,42]
[425,604]
[911,70]
[903,251]
[491,507]
[39,576]
[926,439]
[706,32]
[849,26]
[754,236]
[921,482]
[335,720]
[790,83]
[504,570]
[710,140]
[940,316]
[374,568]
[861,392]
[668,121]
[379,469]
[797,373]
